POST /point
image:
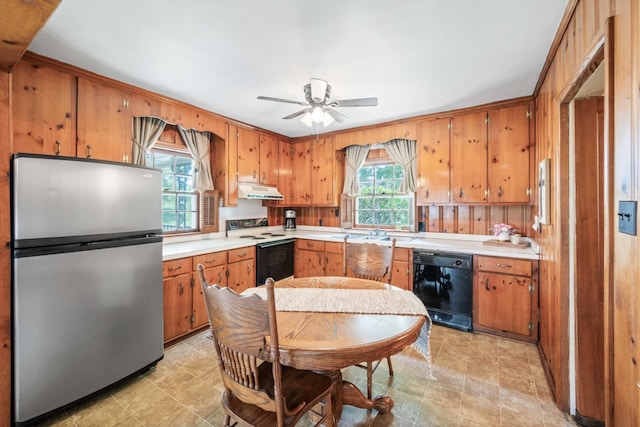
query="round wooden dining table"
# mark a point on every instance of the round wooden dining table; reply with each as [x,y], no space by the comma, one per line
[327,342]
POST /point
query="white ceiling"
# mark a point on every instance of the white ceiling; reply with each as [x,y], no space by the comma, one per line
[416,56]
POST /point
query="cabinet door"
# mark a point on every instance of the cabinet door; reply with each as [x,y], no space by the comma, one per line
[334,264]
[199,305]
[177,305]
[402,266]
[104,122]
[322,174]
[44,111]
[469,158]
[503,302]
[508,152]
[248,155]
[308,263]
[241,275]
[301,173]
[268,160]
[284,172]
[433,162]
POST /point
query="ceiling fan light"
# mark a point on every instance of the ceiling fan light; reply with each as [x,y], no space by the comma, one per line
[306,119]
[327,119]
[317,114]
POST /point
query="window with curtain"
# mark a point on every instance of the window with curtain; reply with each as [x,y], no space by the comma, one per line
[179,197]
[379,201]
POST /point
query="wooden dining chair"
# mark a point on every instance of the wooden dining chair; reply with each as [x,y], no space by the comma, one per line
[259,391]
[374,262]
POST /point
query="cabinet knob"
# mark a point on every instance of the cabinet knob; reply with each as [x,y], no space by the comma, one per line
[500,191]
[486,284]
[460,192]
[88,151]
[181,288]
[57,149]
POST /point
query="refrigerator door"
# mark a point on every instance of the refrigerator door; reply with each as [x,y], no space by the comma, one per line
[86,320]
[80,199]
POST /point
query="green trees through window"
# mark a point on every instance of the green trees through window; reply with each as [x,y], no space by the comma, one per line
[179,198]
[379,202]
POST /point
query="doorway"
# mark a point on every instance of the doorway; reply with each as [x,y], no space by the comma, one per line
[586,114]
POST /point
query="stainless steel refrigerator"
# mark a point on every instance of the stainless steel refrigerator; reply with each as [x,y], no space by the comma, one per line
[87,278]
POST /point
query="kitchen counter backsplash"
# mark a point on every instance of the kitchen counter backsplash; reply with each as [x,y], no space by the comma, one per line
[197,244]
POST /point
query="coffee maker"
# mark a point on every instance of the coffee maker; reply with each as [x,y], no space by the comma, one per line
[289,219]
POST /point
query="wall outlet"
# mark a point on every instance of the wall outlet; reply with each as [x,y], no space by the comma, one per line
[627,221]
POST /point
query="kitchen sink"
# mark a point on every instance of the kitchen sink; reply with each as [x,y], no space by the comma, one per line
[348,236]
[374,238]
[367,237]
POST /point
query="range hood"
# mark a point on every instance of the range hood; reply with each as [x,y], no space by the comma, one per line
[258,192]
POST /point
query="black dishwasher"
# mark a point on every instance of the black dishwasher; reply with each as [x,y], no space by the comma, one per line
[444,283]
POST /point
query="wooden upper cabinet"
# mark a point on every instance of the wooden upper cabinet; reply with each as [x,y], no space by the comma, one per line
[469,158]
[248,155]
[314,174]
[104,122]
[433,162]
[322,173]
[44,110]
[508,155]
[284,171]
[268,160]
[301,173]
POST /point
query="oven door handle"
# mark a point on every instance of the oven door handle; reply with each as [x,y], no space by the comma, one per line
[275,243]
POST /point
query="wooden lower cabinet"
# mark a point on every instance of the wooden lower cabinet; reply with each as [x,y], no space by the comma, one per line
[402,276]
[184,307]
[241,273]
[309,258]
[319,258]
[177,284]
[334,259]
[505,297]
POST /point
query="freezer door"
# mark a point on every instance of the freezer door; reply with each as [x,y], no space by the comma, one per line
[60,197]
[82,321]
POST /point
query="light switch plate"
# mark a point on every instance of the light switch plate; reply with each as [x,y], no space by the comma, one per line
[627,221]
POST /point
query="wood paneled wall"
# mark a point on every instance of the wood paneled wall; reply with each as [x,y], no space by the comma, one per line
[5,254]
[437,219]
[579,41]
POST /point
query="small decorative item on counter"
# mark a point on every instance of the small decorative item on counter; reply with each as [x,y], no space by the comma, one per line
[502,231]
[515,239]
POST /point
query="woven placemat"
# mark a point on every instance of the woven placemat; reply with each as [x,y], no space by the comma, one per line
[362,301]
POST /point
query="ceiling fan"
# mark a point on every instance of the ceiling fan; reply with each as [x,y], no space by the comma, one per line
[319,106]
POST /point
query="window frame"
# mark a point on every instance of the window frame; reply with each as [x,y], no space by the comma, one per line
[375,160]
[197,212]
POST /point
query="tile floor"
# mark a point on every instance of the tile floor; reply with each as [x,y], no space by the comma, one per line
[481,380]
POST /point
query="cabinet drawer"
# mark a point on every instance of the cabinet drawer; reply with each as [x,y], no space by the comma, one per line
[210,260]
[242,254]
[176,267]
[314,245]
[402,254]
[334,248]
[518,267]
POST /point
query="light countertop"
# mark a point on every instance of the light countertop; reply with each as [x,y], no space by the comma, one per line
[175,248]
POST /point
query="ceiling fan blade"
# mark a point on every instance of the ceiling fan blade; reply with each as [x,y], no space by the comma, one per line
[318,90]
[296,114]
[360,102]
[268,98]
[339,117]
